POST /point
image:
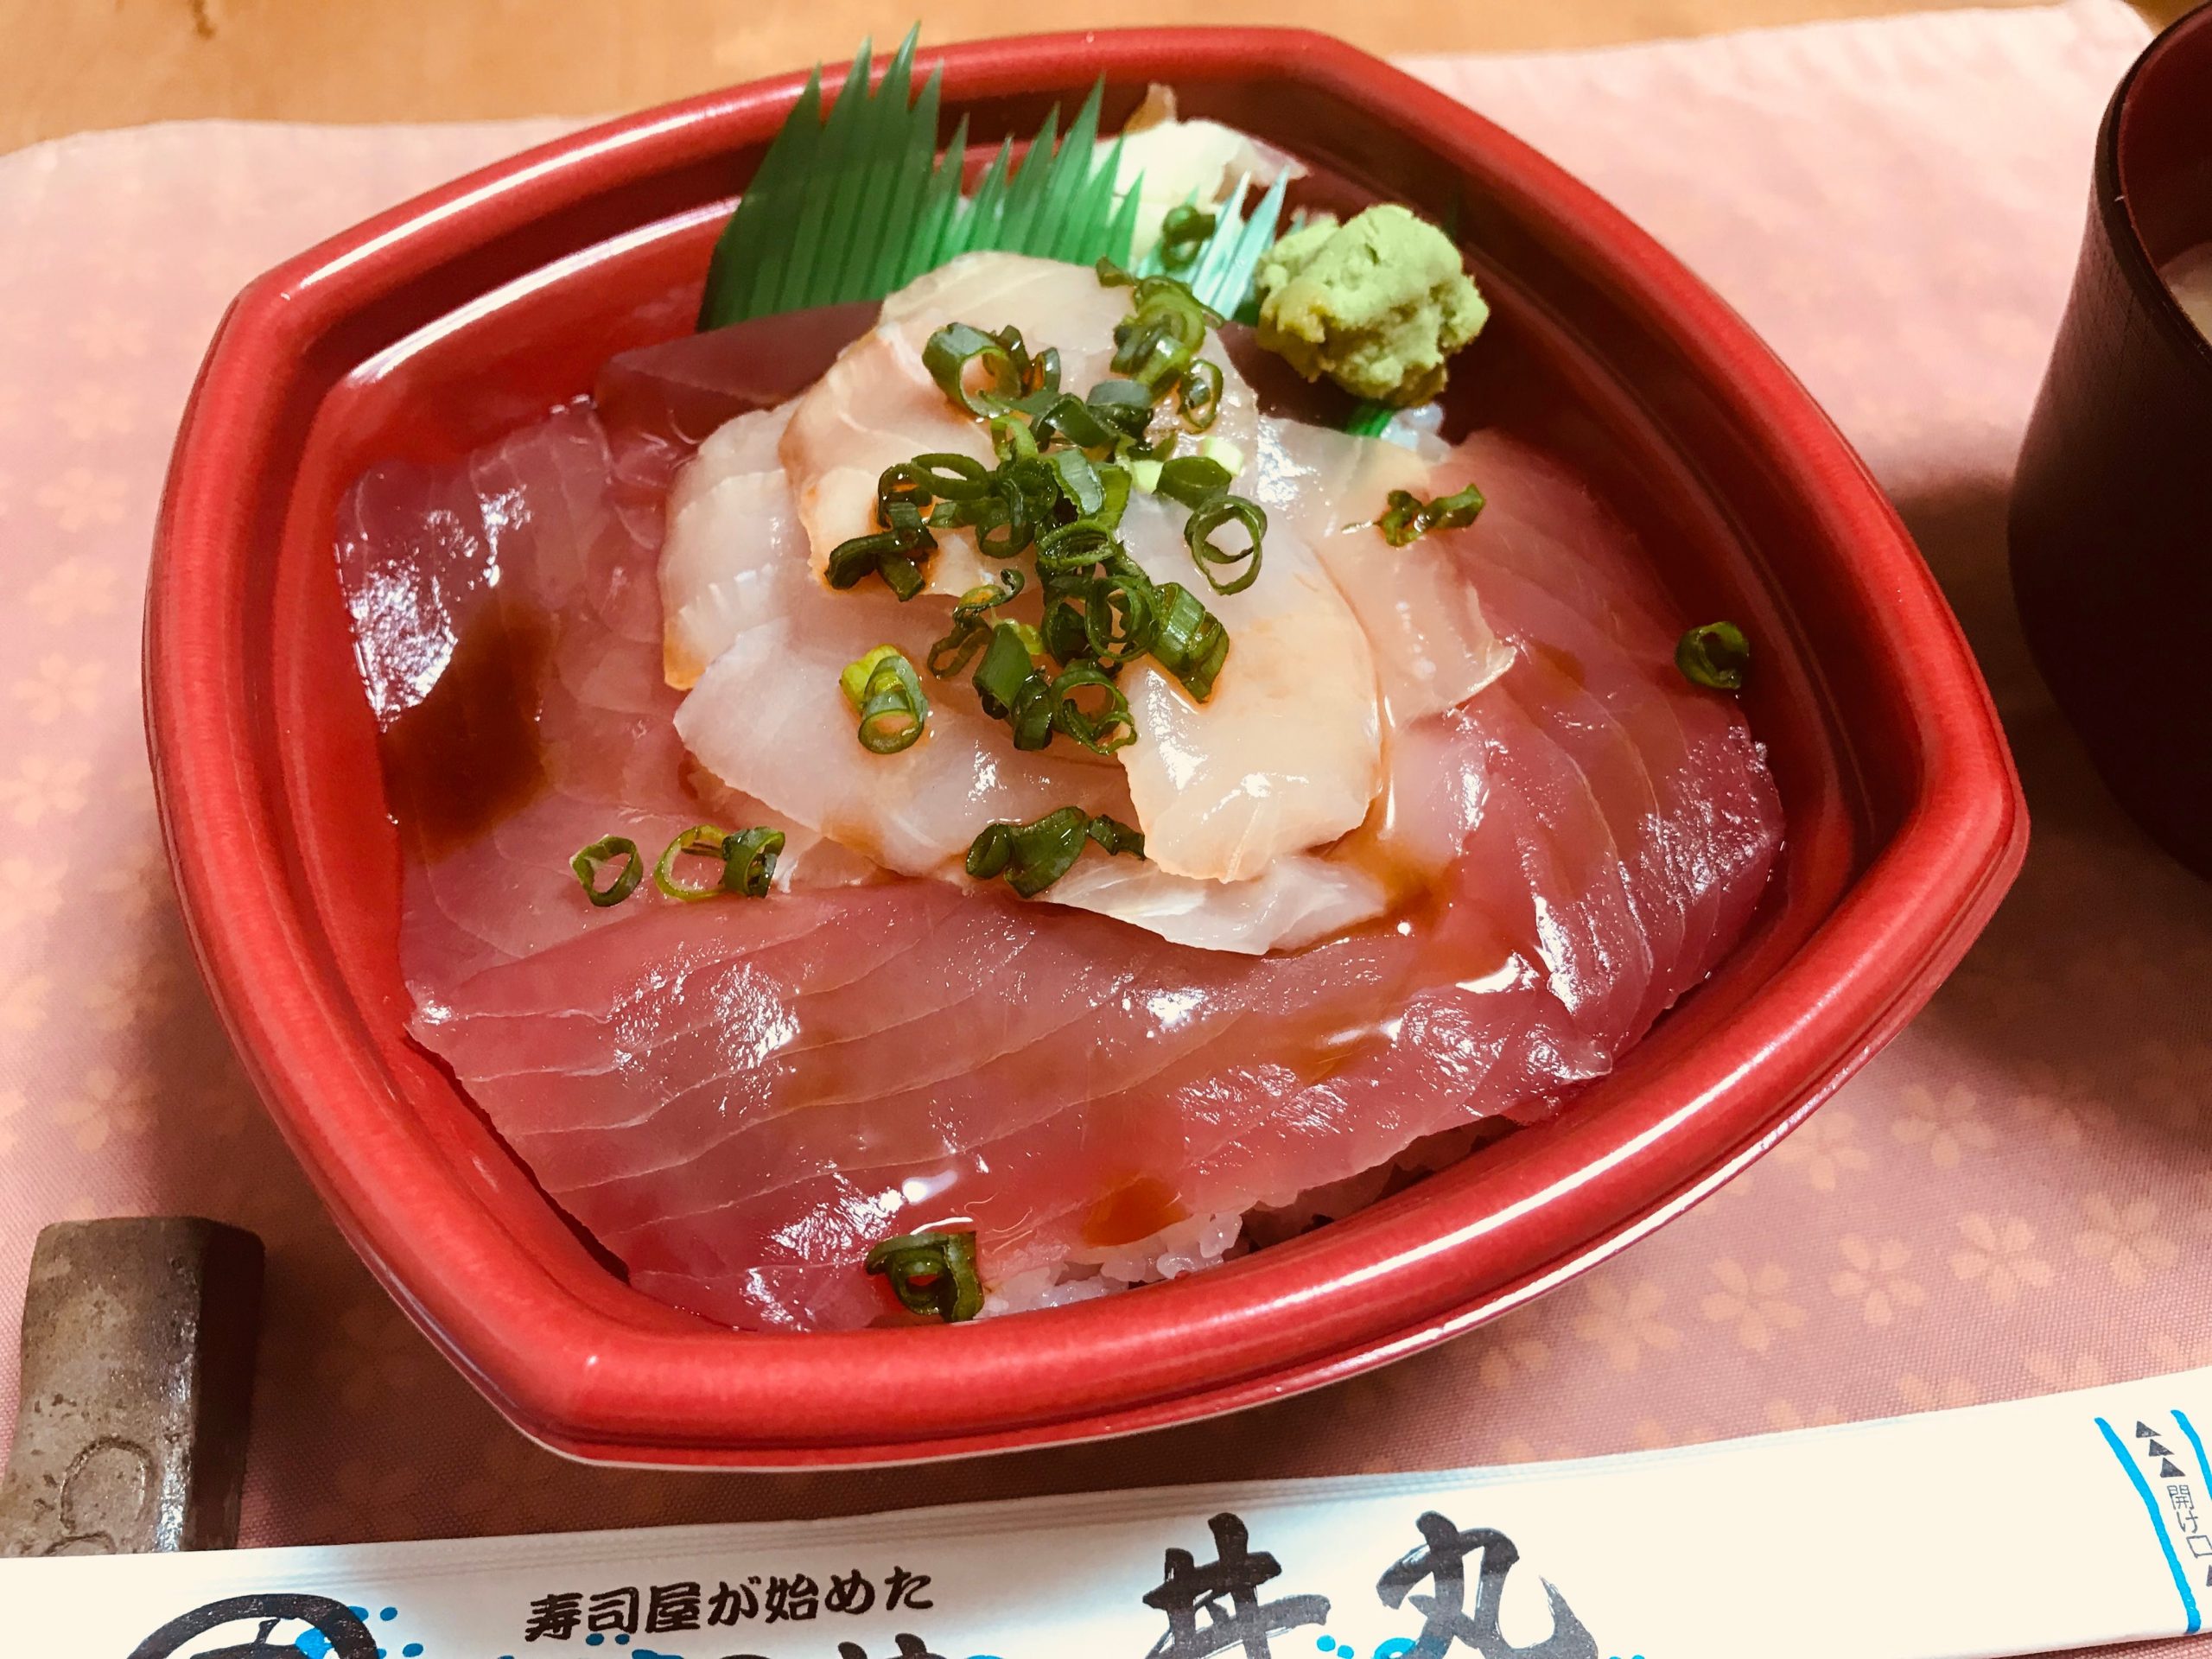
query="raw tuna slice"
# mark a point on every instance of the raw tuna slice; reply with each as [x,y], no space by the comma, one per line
[738,1097]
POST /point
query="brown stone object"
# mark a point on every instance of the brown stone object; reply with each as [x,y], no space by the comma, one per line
[138,1373]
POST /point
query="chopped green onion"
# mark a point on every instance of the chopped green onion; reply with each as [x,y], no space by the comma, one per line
[1011,435]
[701,841]
[1102,731]
[1153,347]
[1192,479]
[1198,534]
[1065,468]
[1115,482]
[1224,453]
[1182,234]
[1032,856]
[1044,375]
[1115,836]
[952,478]
[953,349]
[1071,417]
[901,575]
[1010,688]
[883,687]
[851,560]
[1198,395]
[1162,333]
[852,681]
[1000,520]
[901,493]
[1079,481]
[1067,549]
[748,861]
[1717,655]
[1408,517]
[970,628]
[1063,636]
[1123,404]
[1188,640]
[1124,596]
[588,863]
[931,1273]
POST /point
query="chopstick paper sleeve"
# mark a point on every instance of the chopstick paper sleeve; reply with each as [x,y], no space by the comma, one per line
[2064,1522]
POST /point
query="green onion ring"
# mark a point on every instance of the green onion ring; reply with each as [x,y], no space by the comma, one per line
[1717,655]
[1114,480]
[970,628]
[952,348]
[1197,394]
[1187,639]
[588,860]
[1160,289]
[1407,517]
[700,841]
[901,575]
[931,1273]
[1079,481]
[1017,351]
[1010,688]
[1124,405]
[902,485]
[1192,479]
[1104,732]
[1199,532]
[883,687]
[1032,856]
[904,523]
[849,560]
[1012,436]
[1083,424]
[1182,234]
[1122,593]
[1064,634]
[1066,548]
[1115,836]
[950,477]
[1156,342]
[1035,481]
[749,861]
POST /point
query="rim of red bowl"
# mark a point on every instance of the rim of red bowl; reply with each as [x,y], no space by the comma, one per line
[588,1382]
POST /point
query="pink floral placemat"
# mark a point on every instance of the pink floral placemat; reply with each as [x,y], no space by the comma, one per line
[2013,1198]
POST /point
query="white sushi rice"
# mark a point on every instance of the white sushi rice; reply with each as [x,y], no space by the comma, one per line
[1200,1242]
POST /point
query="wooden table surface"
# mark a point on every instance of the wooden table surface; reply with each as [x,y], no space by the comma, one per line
[81,64]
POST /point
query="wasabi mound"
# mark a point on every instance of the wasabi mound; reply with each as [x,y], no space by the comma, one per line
[1377,304]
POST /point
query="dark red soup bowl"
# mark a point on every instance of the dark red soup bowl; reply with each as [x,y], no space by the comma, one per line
[470,311]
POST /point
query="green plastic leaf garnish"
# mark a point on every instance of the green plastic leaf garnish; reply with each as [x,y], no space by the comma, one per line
[854,201]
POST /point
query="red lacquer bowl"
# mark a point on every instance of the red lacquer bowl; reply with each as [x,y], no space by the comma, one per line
[472,309]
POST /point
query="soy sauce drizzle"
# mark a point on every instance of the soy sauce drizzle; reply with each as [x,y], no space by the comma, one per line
[467,756]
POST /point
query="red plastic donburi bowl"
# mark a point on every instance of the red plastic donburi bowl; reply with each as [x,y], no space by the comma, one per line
[471,310]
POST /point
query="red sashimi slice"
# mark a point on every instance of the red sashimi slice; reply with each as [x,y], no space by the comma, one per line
[738,1097]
